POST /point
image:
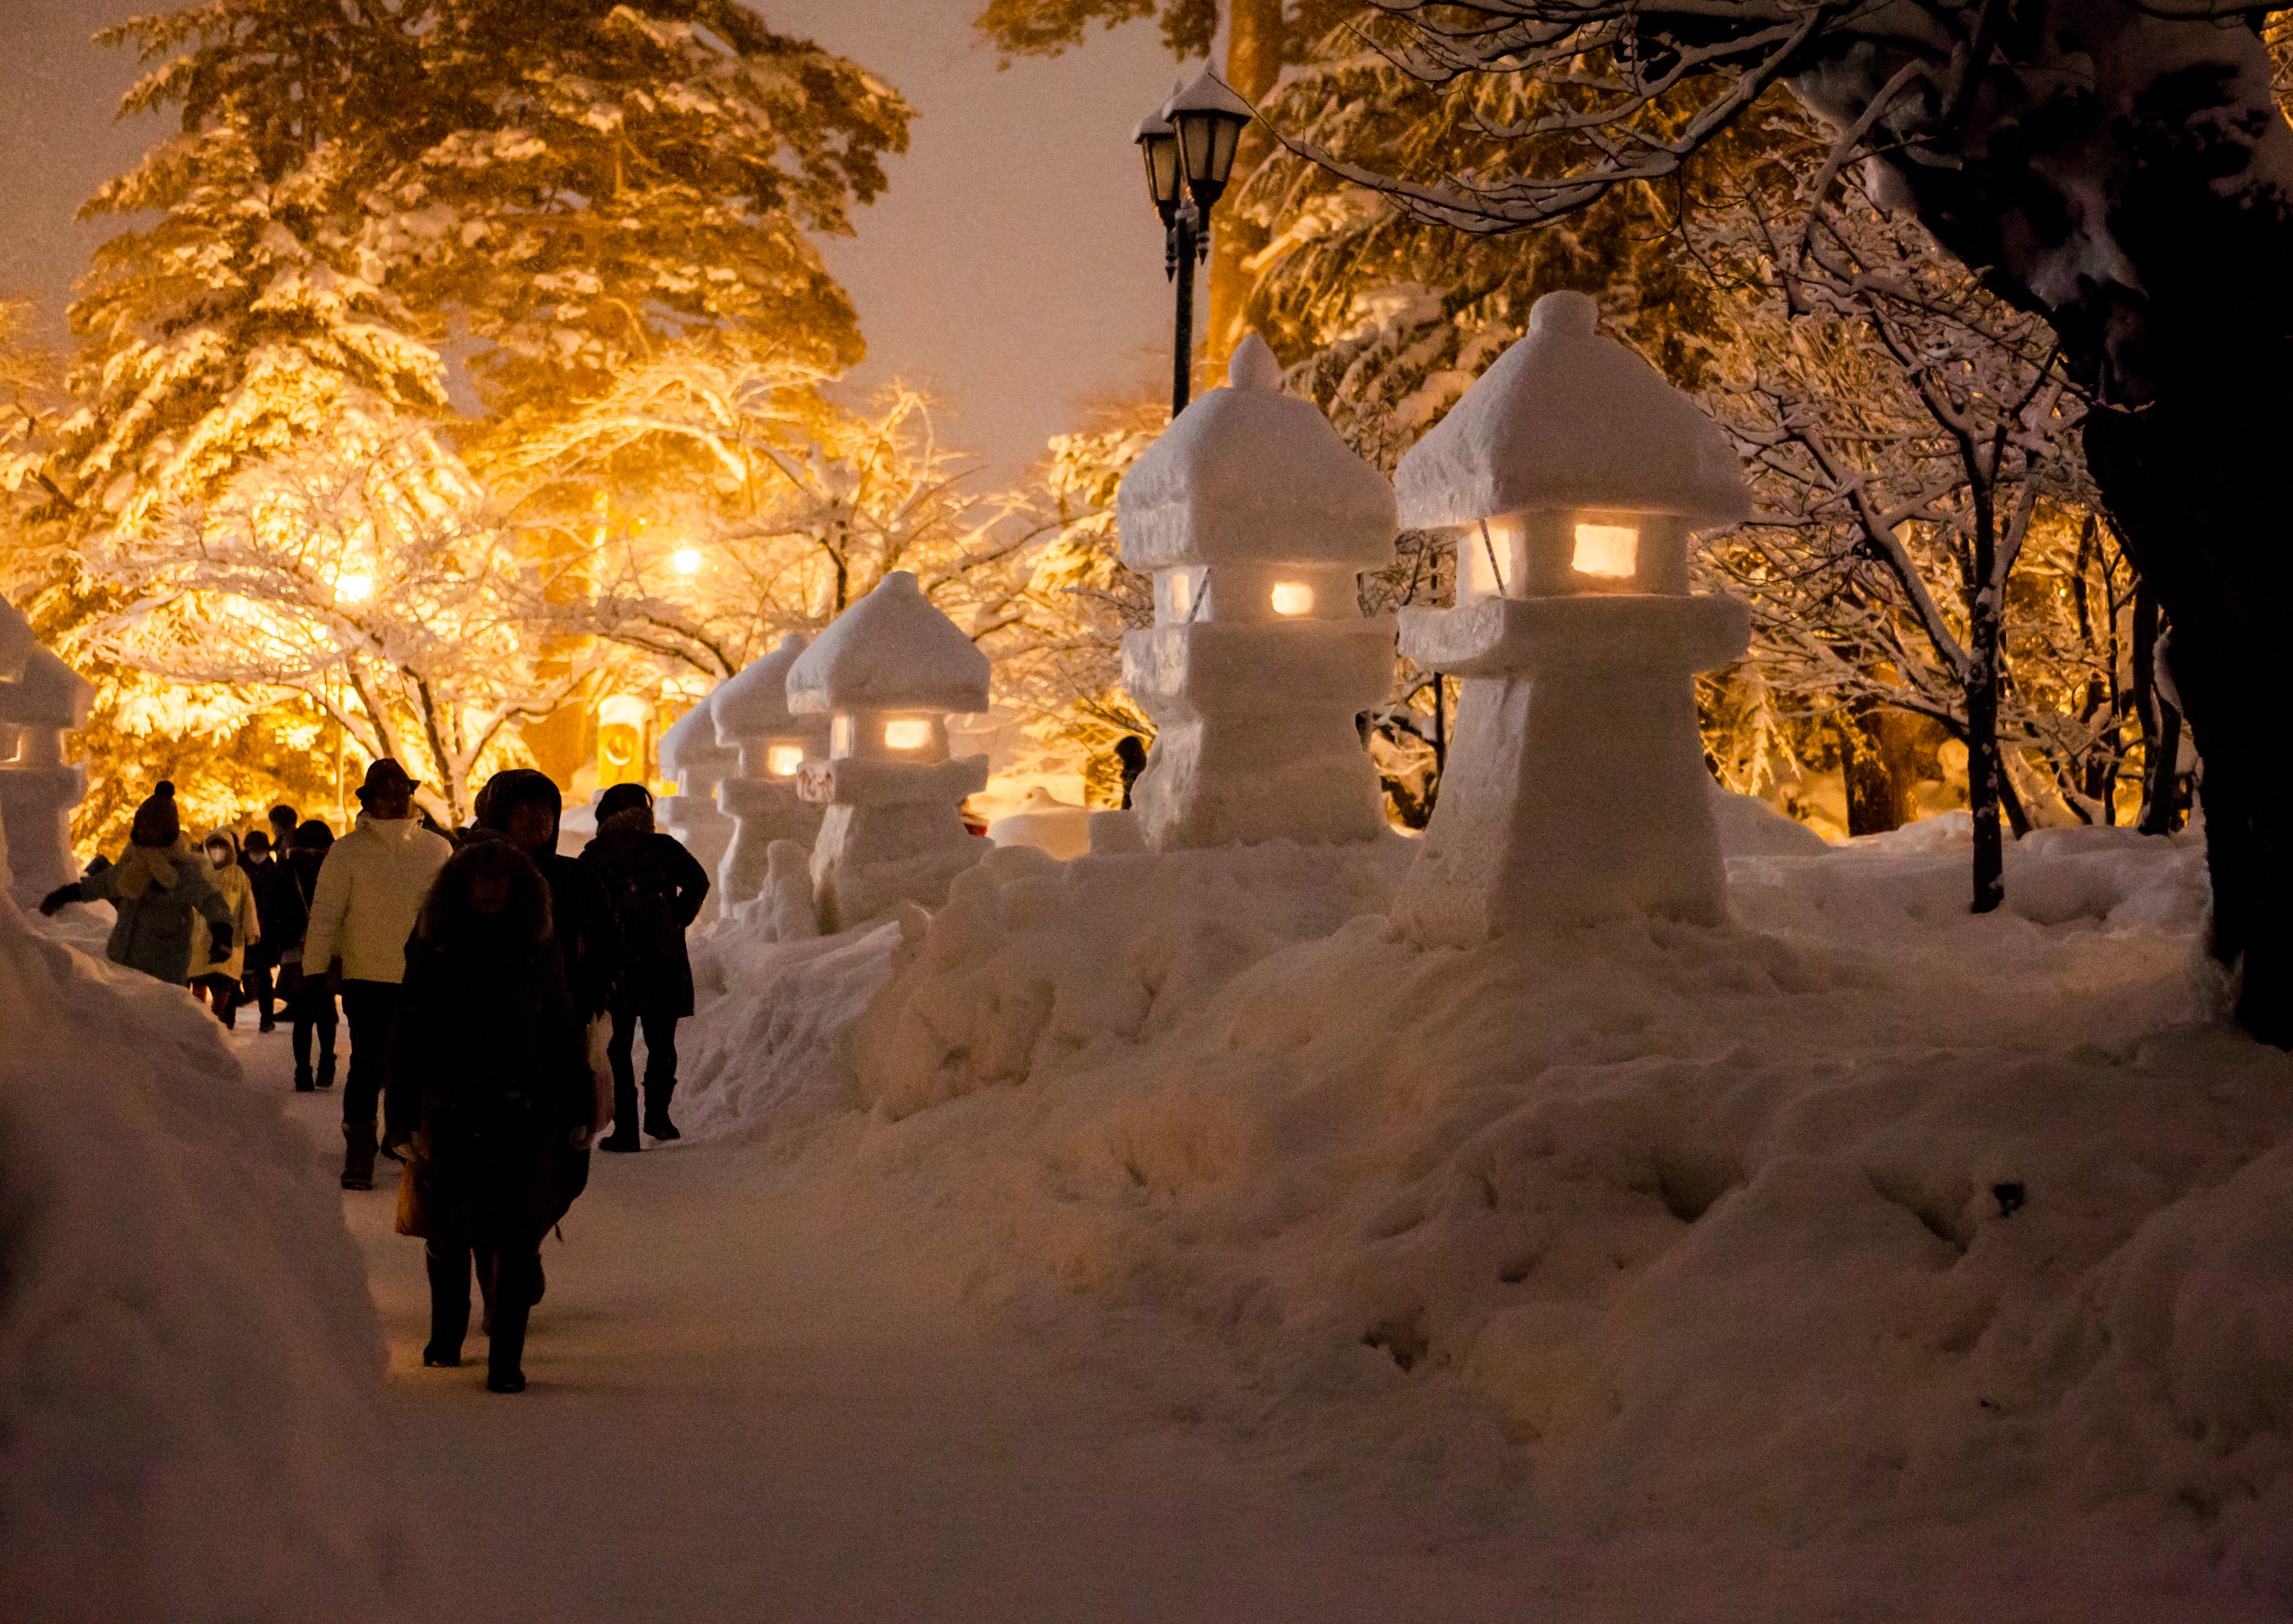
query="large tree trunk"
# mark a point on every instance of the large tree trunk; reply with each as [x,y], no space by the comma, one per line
[2128,176]
[1256,38]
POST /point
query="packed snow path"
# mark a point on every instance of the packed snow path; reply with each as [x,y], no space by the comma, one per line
[745,1405]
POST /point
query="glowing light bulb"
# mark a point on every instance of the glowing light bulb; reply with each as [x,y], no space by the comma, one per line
[906,735]
[1607,551]
[686,561]
[782,761]
[355,587]
[1292,598]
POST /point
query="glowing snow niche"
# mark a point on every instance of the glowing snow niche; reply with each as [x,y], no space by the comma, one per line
[41,700]
[889,673]
[1571,477]
[1256,522]
[770,745]
[695,764]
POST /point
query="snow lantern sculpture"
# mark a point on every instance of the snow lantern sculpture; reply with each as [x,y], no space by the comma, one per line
[770,746]
[694,763]
[888,672]
[41,700]
[1256,522]
[1046,823]
[1572,475]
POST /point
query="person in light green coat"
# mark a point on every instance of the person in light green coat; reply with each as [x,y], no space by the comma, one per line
[159,883]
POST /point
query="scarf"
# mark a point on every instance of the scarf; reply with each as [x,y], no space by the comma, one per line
[143,866]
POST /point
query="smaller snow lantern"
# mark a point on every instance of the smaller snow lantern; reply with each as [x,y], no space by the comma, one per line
[1256,522]
[1572,476]
[770,746]
[888,672]
[41,698]
[694,763]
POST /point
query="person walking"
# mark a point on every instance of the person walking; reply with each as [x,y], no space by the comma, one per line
[310,1004]
[257,986]
[524,807]
[219,985]
[284,821]
[489,1083]
[653,888]
[158,884]
[369,889]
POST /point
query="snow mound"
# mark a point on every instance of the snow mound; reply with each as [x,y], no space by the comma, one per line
[1858,1213]
[190,1368]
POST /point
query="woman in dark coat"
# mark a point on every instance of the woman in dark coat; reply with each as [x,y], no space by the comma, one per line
[310,1005]
[489,1088]
[652,889]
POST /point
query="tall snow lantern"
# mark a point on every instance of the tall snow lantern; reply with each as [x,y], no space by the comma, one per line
[887,673]
[770,747]
[41,700]
[694,763]
[1256,522]
[1572,476]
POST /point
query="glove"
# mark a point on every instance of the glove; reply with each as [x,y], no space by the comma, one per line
[218,942]
[59,896]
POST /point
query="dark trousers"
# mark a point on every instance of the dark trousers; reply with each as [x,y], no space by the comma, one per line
[660,1064]
[368,1006]
[312,1009]
[256,988]
[510,1296]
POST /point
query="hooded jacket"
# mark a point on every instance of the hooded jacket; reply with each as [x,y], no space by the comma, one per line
[487,1061]
[370,891]
[238,892]
[157,889]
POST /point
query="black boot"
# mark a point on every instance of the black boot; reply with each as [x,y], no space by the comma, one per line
[301,1080]
[449,1306]
[325,1070]
[624,1136]
[357,1157]
[513,1301]
[656,1111]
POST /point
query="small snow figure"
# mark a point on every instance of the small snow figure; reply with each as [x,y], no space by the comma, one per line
[1572,476]
[1256,522]
[490,1078]
[653,889]
[158,884]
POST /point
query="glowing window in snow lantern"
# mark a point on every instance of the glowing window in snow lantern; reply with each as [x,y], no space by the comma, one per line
[1609,551]
[782,761]
[686,560]
[1292,598]
[840,735]
[906,733]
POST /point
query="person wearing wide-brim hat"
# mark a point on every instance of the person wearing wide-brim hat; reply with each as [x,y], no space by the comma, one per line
[158,883]
[370,891]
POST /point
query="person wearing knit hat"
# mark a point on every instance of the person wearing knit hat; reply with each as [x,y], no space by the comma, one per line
[653,888]
[157,885]
[370,888]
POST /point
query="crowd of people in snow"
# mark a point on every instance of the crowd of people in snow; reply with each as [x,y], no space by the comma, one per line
[493,987]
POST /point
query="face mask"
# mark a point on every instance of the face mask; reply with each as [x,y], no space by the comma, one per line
[219,856]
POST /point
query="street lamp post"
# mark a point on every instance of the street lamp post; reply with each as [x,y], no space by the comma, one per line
[1189,144]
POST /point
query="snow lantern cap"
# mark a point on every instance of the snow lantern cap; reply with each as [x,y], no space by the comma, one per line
[753,702]
[1568,419]
[890,651]
[695,731]
[1249,475]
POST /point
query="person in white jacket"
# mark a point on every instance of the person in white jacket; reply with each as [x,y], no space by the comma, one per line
[370,891]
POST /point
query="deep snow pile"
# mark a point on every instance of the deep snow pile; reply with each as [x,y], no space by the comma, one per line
[1857,1212]
[190,1370]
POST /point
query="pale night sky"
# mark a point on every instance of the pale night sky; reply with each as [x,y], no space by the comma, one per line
[1012,266]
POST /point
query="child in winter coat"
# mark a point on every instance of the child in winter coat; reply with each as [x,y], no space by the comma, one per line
[158,884]
[489,1087]
[218,987]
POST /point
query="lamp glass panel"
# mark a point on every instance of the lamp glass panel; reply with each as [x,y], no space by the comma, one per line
[1609,551]
[1196,135]
[1292,598]
[1225,134]
[782,761]
[908,733]
[1162,168]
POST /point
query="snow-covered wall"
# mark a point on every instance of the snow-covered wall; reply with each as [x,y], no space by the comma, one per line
[190,1368]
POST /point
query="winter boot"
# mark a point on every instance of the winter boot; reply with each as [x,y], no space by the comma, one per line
[513,1302]
[325,1070]
[624,1136]
[301,1080]
[656,1113]
[449,1308]
[357,1157]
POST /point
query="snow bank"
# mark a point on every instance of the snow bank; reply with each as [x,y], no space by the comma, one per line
[1858,1213]
[190,1370]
